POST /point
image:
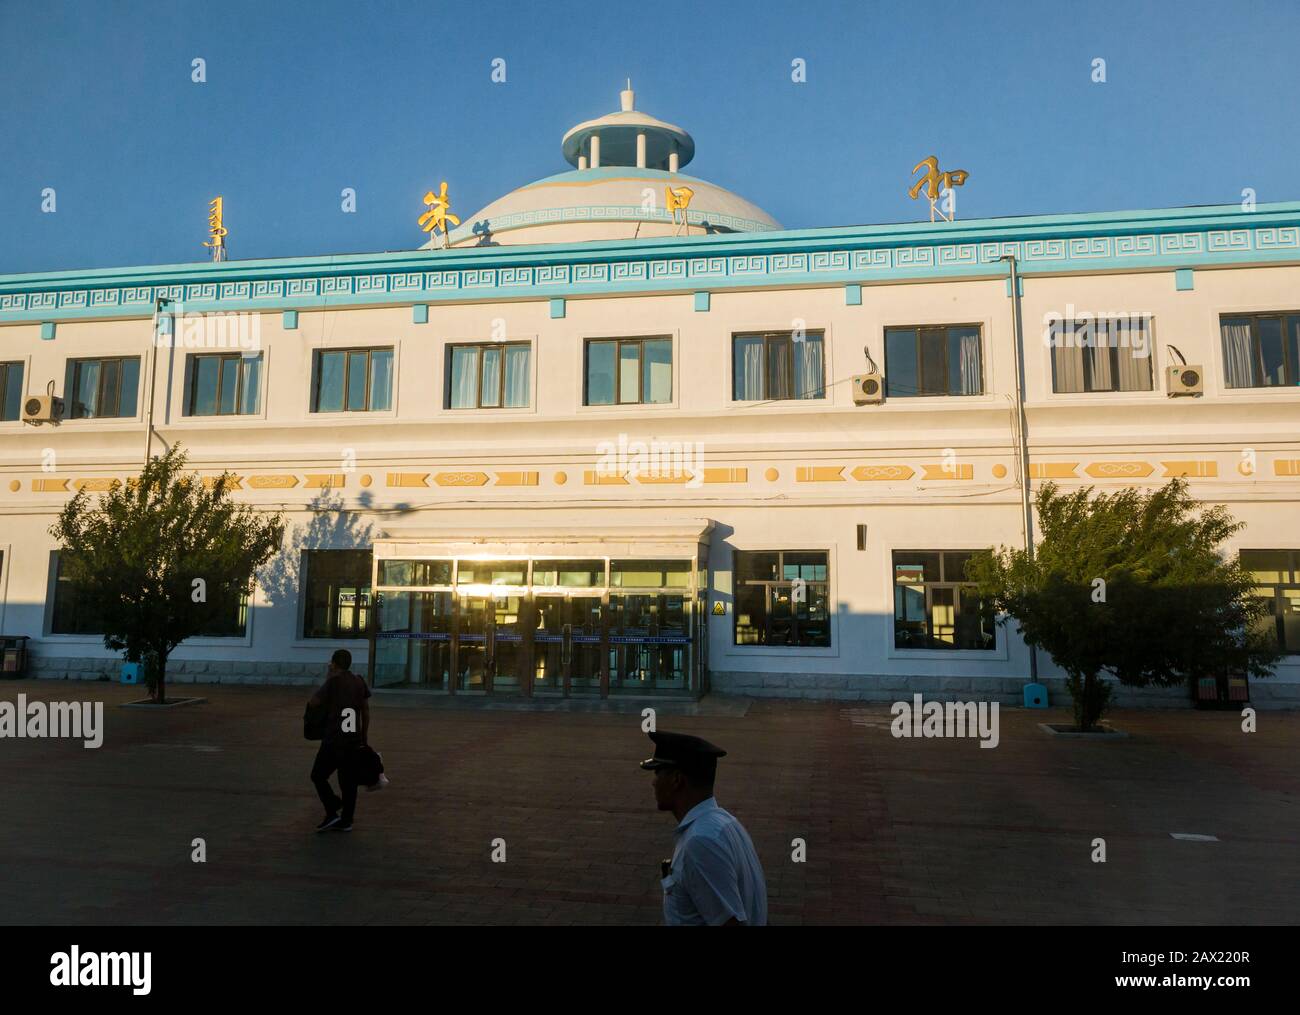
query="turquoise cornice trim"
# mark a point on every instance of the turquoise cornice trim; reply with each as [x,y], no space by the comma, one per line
[1052,244]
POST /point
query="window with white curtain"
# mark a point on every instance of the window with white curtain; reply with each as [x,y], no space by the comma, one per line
[489,375]
[944,360]
[1261,350]
[628,371]
[1101,354]
[103,388]
[778,365]
[352,380]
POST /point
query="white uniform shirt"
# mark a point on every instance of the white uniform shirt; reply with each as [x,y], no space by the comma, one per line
[715,872]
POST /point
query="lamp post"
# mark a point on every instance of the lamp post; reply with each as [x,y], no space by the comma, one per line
[151,356]
[1022,431]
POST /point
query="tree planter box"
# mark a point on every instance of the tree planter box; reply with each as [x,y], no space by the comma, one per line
[1103,732]
[149,703]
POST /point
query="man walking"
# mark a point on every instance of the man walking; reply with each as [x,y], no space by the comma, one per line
[347,727]
[714,877]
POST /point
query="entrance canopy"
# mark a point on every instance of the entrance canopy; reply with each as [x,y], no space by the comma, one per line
[676,539]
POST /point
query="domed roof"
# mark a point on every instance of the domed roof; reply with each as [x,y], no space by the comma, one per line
[626,162]
[615,202]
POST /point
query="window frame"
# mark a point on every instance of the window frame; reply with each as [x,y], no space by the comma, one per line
[1149,325]
[769,336]
[364,585]
[618,341]
[769,586]
[348,351]
[450,377]
[1290,363]
[6,378]
[1278,589]
[72,376]
[996,651]
[947,328]
[57,581]
[191,381]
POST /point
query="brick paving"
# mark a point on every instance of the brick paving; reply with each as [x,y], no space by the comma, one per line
[897,831]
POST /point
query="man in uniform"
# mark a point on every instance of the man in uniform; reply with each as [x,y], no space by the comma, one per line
[714,877]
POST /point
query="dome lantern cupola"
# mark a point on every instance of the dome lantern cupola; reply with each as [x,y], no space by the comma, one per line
[628,138]
[624,166]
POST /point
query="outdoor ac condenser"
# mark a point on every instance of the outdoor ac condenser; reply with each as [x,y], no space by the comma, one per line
[39,409]
[1185,380]
[868,389]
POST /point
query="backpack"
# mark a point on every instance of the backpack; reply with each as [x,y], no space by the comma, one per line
[314,720]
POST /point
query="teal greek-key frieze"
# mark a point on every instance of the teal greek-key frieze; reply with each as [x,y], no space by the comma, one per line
[1174,239]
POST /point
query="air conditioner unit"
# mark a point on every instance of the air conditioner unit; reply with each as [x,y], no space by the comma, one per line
[1185,380]
[868,389]
[39,409]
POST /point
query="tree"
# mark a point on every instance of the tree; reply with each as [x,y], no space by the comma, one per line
[1133,585]
[163,558]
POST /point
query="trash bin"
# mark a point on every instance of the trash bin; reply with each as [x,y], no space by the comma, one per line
[13,655]
[1226,692]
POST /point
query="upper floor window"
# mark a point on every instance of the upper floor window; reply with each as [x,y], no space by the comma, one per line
[1277,577]
[782,598]
[778,365]
[352,380]
[488,376]
[11,390]
[629,371]
[222,385]
[933,361]
[1261,350]
[935,606]
[1106,354]
[103,388]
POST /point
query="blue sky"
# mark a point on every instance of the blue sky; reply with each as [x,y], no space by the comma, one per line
[304,99]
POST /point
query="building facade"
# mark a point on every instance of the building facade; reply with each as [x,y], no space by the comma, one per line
[584,449]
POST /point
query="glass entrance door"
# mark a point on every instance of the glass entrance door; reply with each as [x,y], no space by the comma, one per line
[567,644]
[413,645]
[508,654]
[490,648]
[543,625]
[649,641]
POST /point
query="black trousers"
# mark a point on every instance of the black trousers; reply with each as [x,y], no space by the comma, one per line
[331,758]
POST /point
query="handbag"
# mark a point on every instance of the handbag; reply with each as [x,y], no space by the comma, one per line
[314,720]
[368,766]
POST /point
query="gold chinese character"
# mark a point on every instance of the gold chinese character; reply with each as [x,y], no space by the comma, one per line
[216,227]
[679,198]
[439,213]
[935,182]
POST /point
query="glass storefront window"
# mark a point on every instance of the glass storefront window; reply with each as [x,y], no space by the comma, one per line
[415,572]
[650,574]
[782,598]
[539,625]
[935,607]
[1277,573]
[576,574]
[492,572]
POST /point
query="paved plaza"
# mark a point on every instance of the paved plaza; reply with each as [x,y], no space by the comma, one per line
[896,830]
